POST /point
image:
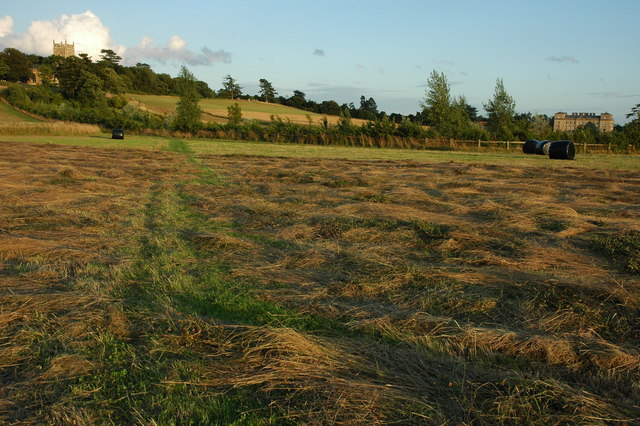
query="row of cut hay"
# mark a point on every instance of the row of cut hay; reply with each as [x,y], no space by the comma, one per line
[58,128]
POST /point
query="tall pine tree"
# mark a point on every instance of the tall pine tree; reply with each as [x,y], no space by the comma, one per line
[501,112]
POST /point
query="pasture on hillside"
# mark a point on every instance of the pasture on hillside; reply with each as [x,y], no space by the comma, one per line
[177,283]
[10,115]
[215,110]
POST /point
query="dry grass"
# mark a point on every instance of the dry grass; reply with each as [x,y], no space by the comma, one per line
[440,293]
[61,210]
[488,263]
[49,129]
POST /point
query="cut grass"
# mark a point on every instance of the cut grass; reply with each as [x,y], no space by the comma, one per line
[186,287]
[221,147]
[482,290]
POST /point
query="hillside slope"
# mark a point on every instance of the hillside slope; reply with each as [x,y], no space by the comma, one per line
[9,114]
[215,110]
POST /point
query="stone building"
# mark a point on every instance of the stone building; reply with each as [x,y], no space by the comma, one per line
[64,49]
[569,122]
[59,49]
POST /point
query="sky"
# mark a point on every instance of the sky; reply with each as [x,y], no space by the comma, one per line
[571,56]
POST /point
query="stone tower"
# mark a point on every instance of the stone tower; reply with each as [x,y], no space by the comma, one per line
[64,49]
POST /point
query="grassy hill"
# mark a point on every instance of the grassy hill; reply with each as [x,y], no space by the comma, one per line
[215,110]
[10,115]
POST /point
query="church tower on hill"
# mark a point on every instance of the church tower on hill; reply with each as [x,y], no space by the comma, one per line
[64,49]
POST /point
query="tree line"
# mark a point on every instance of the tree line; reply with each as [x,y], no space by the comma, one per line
[80,89]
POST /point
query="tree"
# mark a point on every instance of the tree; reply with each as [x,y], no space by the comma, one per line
[330,107]
[143,79]
[540,127]
[460,121]
[20,67]
[632,129]
[204,90]
[437,104]
[587,133]
[69,74]
[344,123]
[230,88]
[47,73]
[472,112]
[234,114]
[110,58]
[79,81]
[86,58]
[4,69]
[368,108]
[112,82]
[266,90]
[501,111]
[297,100]
[89,89]
[383,127]
[188,110]
[449,117]
[522,124]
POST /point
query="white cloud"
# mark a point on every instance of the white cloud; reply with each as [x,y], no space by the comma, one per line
[146,42]
[6,25]
[173,51]
[176,43]
[90,36]
[86,30]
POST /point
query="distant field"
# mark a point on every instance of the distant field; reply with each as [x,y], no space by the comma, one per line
[215,110]
[174,285]
[226,147]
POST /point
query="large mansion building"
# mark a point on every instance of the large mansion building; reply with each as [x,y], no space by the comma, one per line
[569,122]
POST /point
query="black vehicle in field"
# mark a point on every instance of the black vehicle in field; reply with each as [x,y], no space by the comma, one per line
[117,134]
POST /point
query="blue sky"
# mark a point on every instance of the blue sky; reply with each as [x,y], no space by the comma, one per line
[573,56]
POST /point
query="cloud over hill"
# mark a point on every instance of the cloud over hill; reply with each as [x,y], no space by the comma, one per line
[90,35]
[174,51]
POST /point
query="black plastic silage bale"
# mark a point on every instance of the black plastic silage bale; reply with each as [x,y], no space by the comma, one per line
[529,147]
[562,150]
[542,147]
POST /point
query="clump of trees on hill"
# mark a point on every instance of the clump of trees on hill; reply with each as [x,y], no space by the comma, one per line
[83,90]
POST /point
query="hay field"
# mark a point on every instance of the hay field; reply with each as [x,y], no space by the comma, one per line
[329,152]
[166,286]
[215,110]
